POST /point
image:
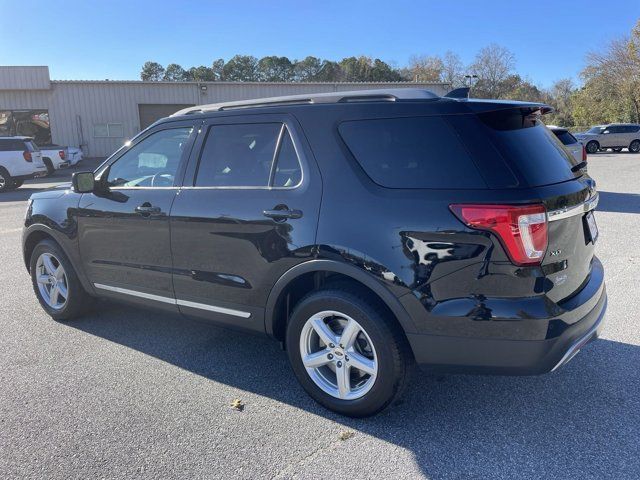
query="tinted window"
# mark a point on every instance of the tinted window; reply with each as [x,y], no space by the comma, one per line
[630,129]
[288,172]
[565,137]
[238,155]
[417,152]
[153,162]
[10,145]
[530,146]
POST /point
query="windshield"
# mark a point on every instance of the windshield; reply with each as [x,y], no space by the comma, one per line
[596,130]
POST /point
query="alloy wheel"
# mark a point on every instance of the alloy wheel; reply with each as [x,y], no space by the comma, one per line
[338,355]
[635,146]
[52,281]
[3,182]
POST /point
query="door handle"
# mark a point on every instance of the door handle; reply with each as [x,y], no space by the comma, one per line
[148,209]
[282,214]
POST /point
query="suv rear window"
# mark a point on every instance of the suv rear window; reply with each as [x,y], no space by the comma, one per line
[413,152]
[525,142]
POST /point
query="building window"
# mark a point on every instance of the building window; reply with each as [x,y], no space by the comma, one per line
[108,130]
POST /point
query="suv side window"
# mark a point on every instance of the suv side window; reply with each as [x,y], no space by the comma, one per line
[412,152]
[153,162]
[243,155]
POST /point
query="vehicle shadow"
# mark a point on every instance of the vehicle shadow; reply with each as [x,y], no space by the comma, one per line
[580,422]
[619,202]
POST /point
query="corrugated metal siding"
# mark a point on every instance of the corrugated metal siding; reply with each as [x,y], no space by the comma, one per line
[24,78]
[76,106]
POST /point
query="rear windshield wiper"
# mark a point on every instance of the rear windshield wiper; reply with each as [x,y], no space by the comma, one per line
[579,166]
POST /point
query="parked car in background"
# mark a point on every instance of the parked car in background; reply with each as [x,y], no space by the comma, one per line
[20,159]
[54,157]
[329,223]
[615,136]
[577,149]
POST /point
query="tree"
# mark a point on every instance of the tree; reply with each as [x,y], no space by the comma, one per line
[383,72]
[560,96]
[308,69]
[217,68]
[330,72]
[275,69]
[201,74]
[493,65]
[452,70]
[152,72]
[424,68]
[241,68]
[612,82]
[174,73]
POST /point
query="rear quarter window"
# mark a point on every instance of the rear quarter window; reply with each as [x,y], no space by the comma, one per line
[413,152]
[529,146]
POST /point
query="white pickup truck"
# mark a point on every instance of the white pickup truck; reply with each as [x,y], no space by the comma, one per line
[20,159]
[54,157]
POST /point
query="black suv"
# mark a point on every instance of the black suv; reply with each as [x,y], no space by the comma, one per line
[364,230]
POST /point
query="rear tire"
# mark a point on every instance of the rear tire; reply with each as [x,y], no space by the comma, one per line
[592,147]
[71,300]
[6,182]
[378,346]
[49,164]
[634,147]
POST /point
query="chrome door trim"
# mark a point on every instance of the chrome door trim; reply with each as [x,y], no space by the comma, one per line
[174,301]
[213,308]
[584,207]
[135,293]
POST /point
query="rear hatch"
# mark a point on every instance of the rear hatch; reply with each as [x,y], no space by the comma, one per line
[547,171]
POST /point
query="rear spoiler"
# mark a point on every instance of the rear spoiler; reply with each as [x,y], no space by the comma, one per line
[462,92]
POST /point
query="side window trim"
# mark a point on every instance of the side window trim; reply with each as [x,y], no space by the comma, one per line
[103,168]
[288,127]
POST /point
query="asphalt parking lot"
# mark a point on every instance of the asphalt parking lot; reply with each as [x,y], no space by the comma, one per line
[131,393]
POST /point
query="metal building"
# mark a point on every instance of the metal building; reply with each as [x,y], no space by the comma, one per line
[99,116]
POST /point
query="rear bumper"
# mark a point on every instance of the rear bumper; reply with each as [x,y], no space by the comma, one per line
[514,356]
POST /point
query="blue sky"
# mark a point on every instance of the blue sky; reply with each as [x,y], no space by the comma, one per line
[98,40]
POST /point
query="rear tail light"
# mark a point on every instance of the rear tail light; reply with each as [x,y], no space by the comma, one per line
[27,155]
[62,154]
[521,229]
[584,154]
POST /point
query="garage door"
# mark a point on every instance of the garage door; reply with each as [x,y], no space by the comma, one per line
[150,112]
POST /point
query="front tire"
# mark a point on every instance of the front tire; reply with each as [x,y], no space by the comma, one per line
[348,355]
[634,147]
[592,147]
[56,283]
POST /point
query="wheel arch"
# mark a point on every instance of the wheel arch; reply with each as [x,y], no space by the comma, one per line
[306,274]
[34,234]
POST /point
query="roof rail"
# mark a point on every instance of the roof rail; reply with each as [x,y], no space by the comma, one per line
[381,95]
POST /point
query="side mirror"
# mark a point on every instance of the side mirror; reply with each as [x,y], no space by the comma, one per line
[83,182]
[606,131]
